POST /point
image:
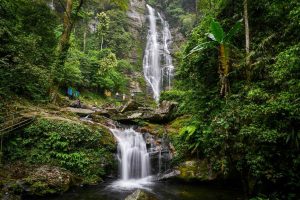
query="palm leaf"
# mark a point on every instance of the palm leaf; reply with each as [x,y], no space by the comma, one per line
[217,31]
[233,30]
[200,47]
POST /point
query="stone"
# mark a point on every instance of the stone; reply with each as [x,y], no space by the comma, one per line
[135,116]
[199,170]
[48,180]
[167,107]
[168,175]
[131,105]
[80,111]
[141,195]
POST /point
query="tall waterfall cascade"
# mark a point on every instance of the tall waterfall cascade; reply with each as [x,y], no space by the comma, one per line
[157,63]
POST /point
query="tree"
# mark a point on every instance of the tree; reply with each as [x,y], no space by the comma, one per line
[247,38]
[103,26]
[68,23]
[27,50]
[222,40]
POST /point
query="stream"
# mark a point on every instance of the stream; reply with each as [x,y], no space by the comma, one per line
[162,190]
[134,160]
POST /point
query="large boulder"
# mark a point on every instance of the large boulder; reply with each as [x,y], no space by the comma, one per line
[140,195]
[199,170]
[131,105]
[48,180]
[170,174]
[167,107]
[80,111]
[133,113]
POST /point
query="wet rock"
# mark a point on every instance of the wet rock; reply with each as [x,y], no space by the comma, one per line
[199,170]
[141,195]
[48,180]
[166,110]
[168,175]
[103,120]
[8,196]
[131,105]
[162,114]
[80,111]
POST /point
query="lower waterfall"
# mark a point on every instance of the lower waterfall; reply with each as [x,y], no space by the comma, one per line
[133,158]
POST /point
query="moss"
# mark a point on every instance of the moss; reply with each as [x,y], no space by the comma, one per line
[174,127]
[86,151]
[41,188]
[196,170]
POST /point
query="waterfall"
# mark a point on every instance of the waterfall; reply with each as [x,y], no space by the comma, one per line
[51,5]
[133,158]
[157,62]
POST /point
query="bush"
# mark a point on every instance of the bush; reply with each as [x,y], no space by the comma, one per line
[75,147]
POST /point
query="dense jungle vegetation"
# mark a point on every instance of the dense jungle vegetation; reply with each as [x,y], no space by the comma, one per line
[236,83]
[253,127]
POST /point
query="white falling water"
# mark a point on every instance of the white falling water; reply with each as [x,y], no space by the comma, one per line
[51,5]
[134,162]
[157,63]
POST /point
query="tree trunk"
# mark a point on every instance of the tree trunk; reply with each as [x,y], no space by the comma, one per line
[101,42]
[84,40]
[247,39]
[67,28]
[196,7]
[224,71]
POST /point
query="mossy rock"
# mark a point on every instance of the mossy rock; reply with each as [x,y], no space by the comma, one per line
[174,126]
[153,129]
[196,170]
[141,195]
[49,180]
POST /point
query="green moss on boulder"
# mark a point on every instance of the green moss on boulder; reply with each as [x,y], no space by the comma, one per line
[198,170]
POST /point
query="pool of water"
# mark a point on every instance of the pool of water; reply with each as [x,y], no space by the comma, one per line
[162,190]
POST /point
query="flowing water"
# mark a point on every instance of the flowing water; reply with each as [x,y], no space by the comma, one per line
[133,158]
[157,63]
[134,171]
[51,5]
[163,191]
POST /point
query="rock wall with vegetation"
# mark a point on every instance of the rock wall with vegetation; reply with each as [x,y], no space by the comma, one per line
[51,155]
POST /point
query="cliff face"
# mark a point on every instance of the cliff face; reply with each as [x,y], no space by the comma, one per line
[137,19]
[137,27]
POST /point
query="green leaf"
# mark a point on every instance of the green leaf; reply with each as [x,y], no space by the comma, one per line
[217,31]
[233,30]
[200,47]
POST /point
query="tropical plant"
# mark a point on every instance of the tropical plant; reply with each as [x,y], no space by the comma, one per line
[222,40]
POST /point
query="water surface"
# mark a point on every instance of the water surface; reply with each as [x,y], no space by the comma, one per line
[163,191]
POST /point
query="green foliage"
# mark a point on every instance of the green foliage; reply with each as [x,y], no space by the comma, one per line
[257,125]
[27,47]
[66,144]
[180,13]
[119,39]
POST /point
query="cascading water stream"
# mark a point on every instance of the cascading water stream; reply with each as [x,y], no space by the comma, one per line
[157,63]
[51,4]
[134,162]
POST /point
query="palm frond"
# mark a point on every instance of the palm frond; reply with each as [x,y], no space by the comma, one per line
[233,30]
[200,47]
